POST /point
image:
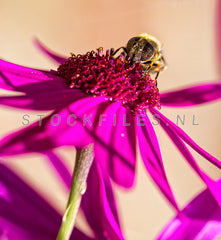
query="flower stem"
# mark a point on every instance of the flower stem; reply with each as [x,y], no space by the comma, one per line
[84,159]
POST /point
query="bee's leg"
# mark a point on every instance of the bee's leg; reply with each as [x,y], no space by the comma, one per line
[147,69]
[157,75]
[118,50]
[146,62]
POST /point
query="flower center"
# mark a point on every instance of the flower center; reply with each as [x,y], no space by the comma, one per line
[99,74]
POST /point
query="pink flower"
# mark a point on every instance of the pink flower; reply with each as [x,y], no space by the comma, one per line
[95,98]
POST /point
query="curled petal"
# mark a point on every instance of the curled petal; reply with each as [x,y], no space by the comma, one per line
[115,147]
[54,56]
[192,96]
[200,220]
[150,153]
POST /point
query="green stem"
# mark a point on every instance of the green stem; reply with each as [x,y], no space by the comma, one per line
[83,163]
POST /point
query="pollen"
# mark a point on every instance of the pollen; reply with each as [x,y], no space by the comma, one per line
[99,74]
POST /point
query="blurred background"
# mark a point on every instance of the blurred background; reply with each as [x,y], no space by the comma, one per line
[188,31]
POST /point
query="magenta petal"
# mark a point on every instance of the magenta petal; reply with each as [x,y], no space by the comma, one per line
[216,192]
[13,77]
[201,220]
[150,153]
[98,202]
[24,215]
[99,206]
[192,96]
[37,138]
[43,100]
[57,58]
[116,148]
[190,142]
[60,168]
[47,136]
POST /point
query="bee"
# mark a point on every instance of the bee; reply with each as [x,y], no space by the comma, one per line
[146,50]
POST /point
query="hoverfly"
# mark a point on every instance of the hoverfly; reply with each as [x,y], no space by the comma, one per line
[146,50]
